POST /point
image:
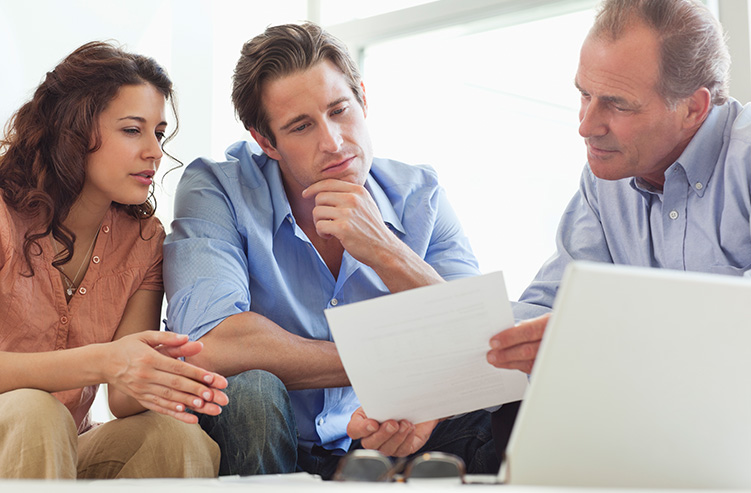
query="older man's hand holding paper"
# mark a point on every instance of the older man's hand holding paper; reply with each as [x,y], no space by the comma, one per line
[420,356]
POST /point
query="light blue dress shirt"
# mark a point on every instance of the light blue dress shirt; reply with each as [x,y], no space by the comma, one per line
[235,246]
[698,222]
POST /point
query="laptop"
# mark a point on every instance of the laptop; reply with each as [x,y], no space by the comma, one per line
[643,379]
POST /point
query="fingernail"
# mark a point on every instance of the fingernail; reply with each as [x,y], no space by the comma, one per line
[197,402]
[208,378]
[495,344]
[370,428]
[492,358]
[391,428]
[207,395]
[180,408]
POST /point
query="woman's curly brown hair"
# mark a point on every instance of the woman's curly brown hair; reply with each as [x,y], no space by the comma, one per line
[47,141]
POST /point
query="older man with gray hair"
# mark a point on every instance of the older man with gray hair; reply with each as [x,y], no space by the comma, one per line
[668,178]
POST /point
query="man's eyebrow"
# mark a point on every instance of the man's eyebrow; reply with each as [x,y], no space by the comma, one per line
[293,121]
[338,101]
[617,100]
[302,117]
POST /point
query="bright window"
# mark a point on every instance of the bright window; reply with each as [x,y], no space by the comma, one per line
[337,11]
[496,113]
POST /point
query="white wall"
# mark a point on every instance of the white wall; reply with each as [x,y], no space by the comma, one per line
[197,41]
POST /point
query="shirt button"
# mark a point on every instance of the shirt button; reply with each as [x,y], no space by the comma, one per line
[105,229]
[82,290]
[289,219]
[334,302]
[95,259]
[320,421]
[673,215]
[63,320]
[698,185]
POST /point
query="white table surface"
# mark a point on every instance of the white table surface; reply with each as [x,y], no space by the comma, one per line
[293,483]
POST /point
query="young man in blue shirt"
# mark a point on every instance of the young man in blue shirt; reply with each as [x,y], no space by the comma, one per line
[264,242]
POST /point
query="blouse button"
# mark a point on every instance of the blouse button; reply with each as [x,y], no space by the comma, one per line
[95,259]
[105,229]
[82,290]
[63,320]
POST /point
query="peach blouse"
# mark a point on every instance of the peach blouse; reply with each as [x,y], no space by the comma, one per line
[34,315]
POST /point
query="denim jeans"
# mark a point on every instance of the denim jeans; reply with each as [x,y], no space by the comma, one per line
[257,433]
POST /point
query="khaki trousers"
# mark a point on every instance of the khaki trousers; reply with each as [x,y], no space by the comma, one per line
[38,439]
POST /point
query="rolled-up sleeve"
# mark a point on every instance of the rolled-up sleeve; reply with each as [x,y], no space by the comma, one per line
[205,263]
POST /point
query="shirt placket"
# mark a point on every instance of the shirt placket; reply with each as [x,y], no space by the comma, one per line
[675,199]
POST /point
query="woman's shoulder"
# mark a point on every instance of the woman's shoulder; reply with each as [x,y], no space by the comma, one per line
[147,233]
[126,223]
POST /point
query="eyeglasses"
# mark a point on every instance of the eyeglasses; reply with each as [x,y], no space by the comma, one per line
[373,466]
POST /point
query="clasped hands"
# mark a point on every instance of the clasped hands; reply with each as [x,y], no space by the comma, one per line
[145,366]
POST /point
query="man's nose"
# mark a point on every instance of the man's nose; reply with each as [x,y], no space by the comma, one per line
[331,137]
[592,121]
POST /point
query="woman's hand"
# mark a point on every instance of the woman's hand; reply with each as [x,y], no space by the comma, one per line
[145,367]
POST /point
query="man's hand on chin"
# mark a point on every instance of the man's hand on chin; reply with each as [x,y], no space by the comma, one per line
[349,213]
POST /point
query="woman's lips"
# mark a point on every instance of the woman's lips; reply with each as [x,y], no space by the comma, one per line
[144,177]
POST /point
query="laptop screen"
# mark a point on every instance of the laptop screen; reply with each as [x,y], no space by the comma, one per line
[643,379]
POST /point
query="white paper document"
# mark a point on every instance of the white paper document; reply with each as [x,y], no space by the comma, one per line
[420,354]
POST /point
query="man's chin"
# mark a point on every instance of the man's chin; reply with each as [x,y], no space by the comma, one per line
[356,178]
[607,171]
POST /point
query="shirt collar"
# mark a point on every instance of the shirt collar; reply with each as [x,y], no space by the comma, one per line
[250,151]
[700,157]
[279,200]
[388,213]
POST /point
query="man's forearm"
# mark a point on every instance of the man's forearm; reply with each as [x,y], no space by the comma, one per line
[248,341]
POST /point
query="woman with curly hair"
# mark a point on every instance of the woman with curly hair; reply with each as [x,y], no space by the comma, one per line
[81,283]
